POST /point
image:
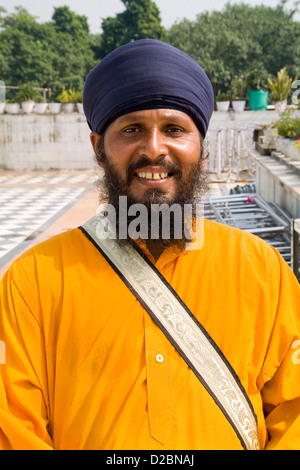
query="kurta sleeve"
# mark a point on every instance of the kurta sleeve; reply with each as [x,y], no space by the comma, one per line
[24,409]
[280,378]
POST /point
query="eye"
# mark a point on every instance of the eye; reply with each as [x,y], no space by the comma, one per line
[131,129]
[174,130]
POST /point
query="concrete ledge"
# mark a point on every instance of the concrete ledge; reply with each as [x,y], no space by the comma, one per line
[278,180]
[232,119]
[294,165]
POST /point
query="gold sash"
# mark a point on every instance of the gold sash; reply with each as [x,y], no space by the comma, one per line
[181,327]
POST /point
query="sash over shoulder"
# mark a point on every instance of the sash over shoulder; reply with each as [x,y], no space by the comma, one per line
[181,327]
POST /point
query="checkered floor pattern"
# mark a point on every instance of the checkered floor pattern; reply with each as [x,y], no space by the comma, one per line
[31,201]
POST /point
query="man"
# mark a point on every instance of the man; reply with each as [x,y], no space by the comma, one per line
[149,343]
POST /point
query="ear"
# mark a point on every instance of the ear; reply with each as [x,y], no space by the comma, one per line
[94,138]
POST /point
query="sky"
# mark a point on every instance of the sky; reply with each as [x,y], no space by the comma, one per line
[95,10]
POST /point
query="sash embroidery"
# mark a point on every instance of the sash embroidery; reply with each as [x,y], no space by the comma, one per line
[181,327]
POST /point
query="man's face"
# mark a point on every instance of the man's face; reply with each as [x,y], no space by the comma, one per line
[155,154]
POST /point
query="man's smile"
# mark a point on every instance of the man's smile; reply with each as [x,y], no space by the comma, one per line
[153,176]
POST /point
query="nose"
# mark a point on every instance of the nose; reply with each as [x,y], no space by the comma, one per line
[153,145]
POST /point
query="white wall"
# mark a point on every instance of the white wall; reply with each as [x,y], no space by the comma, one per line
[41,142]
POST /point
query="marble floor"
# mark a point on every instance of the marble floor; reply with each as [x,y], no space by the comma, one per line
[31,201]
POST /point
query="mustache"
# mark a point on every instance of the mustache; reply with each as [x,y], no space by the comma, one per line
[173,168]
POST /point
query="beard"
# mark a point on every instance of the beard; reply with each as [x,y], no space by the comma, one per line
[189,191]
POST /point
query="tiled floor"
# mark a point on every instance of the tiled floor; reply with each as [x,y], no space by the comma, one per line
[48,178]
[31,201]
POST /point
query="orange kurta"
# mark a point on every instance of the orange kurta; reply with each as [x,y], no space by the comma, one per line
[86,367]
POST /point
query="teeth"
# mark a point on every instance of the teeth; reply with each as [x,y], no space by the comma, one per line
[152,176]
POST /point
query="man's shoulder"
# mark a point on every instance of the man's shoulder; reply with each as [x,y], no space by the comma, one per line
[64,239]
[50,251]
[230,240]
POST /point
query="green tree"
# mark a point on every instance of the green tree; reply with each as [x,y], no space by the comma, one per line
[66,21]
[239,39]
[141,19]
[56,54]
[21,50]
[72,49]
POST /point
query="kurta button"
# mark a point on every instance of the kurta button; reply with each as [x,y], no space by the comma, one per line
[159,358]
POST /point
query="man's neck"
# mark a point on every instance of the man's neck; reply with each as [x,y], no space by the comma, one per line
[155,248]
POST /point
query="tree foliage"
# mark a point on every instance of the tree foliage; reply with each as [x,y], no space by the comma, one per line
[59,54]
[66,21]
[56,54]
[141,19]
[239,39]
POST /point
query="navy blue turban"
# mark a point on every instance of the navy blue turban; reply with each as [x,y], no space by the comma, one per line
[147,74]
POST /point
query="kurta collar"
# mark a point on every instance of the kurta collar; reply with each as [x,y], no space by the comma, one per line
[171,253]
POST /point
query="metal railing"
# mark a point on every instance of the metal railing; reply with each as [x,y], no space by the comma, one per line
[250,212]
[230,152]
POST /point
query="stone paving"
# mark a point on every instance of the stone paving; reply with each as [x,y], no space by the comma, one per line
[31,201]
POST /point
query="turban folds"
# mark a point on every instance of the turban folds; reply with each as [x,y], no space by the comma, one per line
[147,74]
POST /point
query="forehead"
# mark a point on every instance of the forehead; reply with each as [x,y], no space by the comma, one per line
[156,115]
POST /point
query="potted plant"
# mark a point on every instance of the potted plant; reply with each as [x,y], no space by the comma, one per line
[257,82]
[26,97]
[287,130]
[238,85]
[54,107]
[223,102]
[79,103]
[280,88]
[11,107]
[40,105]
[68,99]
